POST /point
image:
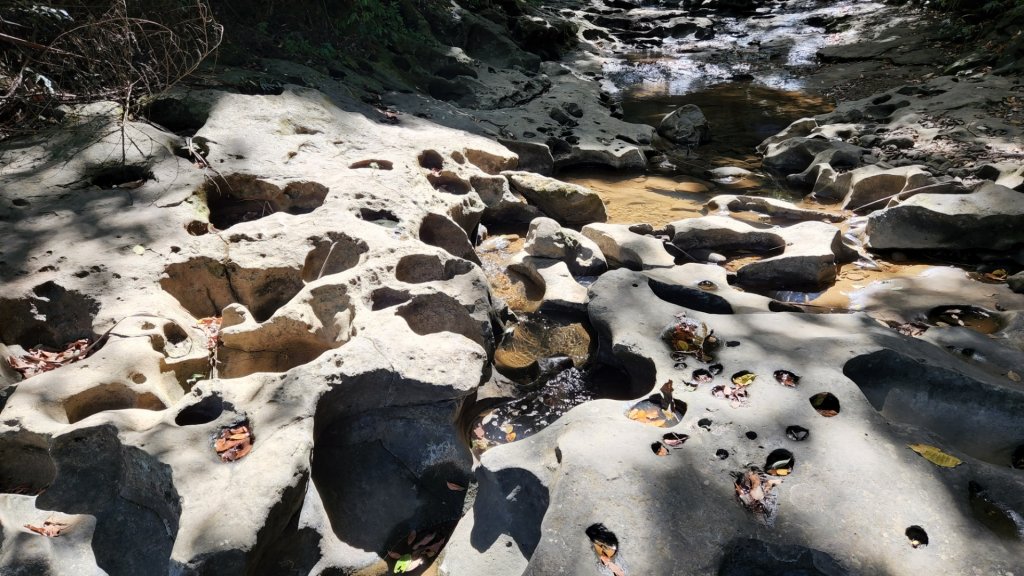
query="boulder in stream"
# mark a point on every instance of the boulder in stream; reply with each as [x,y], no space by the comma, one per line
[991,217]
[686,125]
[570,204]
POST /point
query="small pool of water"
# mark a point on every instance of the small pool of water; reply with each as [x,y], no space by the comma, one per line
[741,116]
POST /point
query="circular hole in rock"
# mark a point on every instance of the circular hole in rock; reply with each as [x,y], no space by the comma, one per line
[238,198]
[108,397]
[707,285]
[449,182]
[138,378]
[826,404]
[373,164]
[797,433]
[25,464]
[716,369]
[197,228]
[20,202]
[419,268]
[431,160]
[751,435]
[179,115]
[787,378]
[121,175]
[917,536]
[332,254]
[535,337]
[704,423]
[52,317]
[206,410]
[674,439]
[205,286]
[721,453]
[385,218]
[653,411]
[973,317]
[780,462]
[701,376]
[659,449]
[1017,458]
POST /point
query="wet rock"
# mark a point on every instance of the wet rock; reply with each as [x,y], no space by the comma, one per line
[569,204]
[686,125]
[546,239]
[991,217]
[624,248]
[1016,282]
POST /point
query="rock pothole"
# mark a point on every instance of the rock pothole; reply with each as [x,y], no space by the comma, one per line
[377,484]
[969,415]
[25,464]
[419,268]
[973,317]
[917,536]
[204,286]
[373,164]
[826,404]
[433,313]
[379,216]
[50,317]
[238,198]
[441,231]
[120,175]
[206,410]
[332,254]
[182,116]
[105,397]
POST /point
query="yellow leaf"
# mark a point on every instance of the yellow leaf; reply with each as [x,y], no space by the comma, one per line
[936,456]
[744,379]
[1013,376]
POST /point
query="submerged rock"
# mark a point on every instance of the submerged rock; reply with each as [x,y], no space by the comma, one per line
[686,125]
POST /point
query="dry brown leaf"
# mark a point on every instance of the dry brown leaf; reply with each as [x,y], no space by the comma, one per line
[50,529]
[666,396]
[615,568]
[233,443]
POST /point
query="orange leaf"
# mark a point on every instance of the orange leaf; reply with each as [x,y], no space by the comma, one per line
[455,487]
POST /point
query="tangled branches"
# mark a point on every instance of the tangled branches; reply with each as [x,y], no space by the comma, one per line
[77,51]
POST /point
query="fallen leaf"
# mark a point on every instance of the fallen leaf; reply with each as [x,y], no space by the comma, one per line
[510,437]
[139,249]
[659,449]
[455,487]
[233,443]
[50,529]
[407,564]
[666,396]
[744,378]
[612,566]
[936,456]
[1013,376]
